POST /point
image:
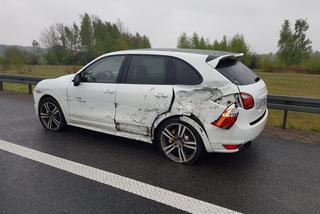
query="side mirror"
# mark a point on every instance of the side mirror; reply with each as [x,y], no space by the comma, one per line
[77,80]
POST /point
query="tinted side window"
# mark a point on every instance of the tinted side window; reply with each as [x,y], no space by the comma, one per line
[184,74]
[145,69]
[236,72]
[104,71]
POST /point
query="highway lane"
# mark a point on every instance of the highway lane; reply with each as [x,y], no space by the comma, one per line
[273,176]
[30,187]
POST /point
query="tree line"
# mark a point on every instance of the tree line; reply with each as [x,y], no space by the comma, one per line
[76,44]
[236,44]
[79,44]
[15,57]
[294,49]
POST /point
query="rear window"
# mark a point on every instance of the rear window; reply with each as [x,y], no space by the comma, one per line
[236,72]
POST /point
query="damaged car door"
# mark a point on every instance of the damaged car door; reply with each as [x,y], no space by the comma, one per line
[146,92]
[92,102]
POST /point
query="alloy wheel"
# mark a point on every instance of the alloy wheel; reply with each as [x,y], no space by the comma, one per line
[178,143]
[50,116]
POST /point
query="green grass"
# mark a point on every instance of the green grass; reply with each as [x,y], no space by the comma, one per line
[296,120]
[16,87]
[38,71]
[44,70]
[293,84]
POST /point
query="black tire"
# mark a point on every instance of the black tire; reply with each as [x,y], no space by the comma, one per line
[51,115]
[180,145]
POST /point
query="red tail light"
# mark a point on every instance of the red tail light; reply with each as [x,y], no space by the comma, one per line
[227,118]
[231,147]
[247,100]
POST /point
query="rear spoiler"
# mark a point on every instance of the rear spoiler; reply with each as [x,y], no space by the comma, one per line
[213,61]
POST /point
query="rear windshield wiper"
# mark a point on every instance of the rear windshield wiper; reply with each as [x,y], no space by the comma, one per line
[257,79]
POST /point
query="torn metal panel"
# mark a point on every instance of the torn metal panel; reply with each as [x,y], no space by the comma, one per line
[227,100]
[139,106]
[201,101]
[204,102]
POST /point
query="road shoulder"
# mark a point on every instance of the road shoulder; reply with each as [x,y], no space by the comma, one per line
[292,134]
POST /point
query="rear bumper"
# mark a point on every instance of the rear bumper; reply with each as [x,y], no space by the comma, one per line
[240,133]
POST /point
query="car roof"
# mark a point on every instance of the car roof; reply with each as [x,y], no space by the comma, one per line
[212,54]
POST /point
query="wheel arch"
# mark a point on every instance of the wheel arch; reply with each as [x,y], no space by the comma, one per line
[53,97]
[191,119]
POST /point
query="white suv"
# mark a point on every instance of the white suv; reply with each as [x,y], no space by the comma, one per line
[186,101]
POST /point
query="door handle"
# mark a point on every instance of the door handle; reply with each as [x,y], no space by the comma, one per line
[161,95]
[108,91]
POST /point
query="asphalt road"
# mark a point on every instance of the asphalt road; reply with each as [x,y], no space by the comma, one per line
[273,176]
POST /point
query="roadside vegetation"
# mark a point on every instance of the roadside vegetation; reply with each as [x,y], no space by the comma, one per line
[294,49]
[293,84]
[76,44]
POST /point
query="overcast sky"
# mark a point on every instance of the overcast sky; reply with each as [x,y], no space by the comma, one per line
[162,21]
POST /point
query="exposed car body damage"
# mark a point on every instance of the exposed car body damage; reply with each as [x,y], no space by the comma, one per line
[199,102]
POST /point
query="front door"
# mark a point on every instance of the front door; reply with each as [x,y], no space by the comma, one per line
[145,93]
[92,103]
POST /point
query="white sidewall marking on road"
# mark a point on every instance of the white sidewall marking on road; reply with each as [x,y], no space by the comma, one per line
[154,193]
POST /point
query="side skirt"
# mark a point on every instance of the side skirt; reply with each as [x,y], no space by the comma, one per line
[146,139]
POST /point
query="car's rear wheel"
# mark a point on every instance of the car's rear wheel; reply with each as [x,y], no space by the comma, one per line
[50,114]
[180,142]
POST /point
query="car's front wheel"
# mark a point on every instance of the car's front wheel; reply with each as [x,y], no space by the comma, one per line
[180,142]
[50,114]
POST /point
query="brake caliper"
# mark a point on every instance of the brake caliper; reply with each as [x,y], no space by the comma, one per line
[173,132]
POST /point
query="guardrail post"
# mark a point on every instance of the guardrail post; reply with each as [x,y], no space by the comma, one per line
[1,86]
[30,88]
[285,116]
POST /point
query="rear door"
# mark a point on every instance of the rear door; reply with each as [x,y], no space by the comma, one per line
[145,93]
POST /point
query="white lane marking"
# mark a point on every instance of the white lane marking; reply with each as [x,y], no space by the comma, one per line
[154,193]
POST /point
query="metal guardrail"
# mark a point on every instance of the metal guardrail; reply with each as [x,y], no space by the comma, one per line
[286,103]
[20,79]
[292,103]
